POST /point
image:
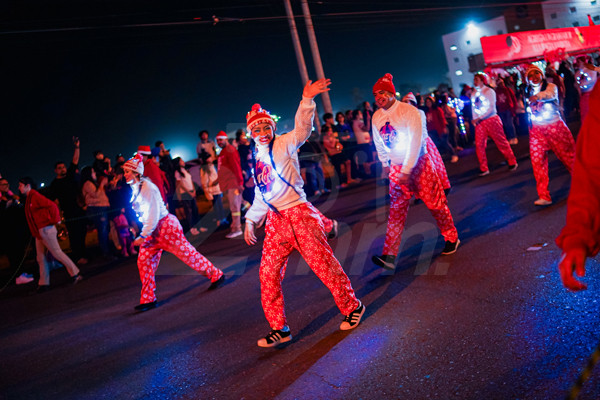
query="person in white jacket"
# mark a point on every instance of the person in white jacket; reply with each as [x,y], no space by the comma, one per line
[399,139]
[160,231]
[548,131]
[488,124]
[292,221]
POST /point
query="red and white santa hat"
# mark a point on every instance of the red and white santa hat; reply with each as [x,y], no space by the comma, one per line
[144,150]
[257,115]
[533,68]
[135,163]
[385,83]
[222,135]
[410,97]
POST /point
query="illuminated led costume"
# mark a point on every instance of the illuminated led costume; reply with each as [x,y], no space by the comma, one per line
[161,231]
[586,80]
[548,132]
[292,222]
[488,124]
[398,135]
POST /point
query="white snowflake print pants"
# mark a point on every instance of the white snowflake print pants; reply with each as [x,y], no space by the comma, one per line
[436,158]
[327,223]
[169,236]
[299,228]
[492,127]
[543,138]
[425,184]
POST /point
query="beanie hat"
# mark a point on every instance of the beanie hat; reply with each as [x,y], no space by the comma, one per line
[532,68]
[385,83]
[222,135]
[484,77]
[410,97]
[258,116]
[144,150]
[135,164]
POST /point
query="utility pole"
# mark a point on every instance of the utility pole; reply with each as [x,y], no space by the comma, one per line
[296,41]
[312,38]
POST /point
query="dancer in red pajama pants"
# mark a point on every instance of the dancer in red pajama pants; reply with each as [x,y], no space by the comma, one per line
[398,137]
[488,124]
[160,231]
[292,222]
[432,150]
[548,132]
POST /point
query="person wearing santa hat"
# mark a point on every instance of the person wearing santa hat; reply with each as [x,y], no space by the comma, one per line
[432,149]
[398,136]
[488,124]
[153,172]
[160,231]
[292,221]
[231,182]
[548,131]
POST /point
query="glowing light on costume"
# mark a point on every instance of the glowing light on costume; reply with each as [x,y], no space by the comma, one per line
[459,105]
[542,113]
[275,117]
[584,81]
[481,105]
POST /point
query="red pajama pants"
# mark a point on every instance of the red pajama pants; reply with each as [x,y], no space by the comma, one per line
[299,228]
[492,127]
[169,236]
[327,223]
[543,138]
[425,184]
[436,158]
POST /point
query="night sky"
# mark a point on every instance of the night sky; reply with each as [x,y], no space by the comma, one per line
[73,68]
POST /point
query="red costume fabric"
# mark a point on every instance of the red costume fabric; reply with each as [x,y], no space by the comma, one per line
[582,230]
[157,176]
[169,236]
[436,159]
[230,169]
[301,228]
[492,127]
[543,138]
[40,212]
[425,184]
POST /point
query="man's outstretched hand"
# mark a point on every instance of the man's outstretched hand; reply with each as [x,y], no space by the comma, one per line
[313,89]
[572,261]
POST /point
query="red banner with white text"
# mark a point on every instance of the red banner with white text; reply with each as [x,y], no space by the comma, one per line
[524,46]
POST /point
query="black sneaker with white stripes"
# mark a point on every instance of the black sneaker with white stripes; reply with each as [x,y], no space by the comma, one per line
[275,337]
[353,319]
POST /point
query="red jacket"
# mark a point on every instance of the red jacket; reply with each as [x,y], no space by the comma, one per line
[582,230]
[157,176]
[436,121]
[230,169]
[40,212]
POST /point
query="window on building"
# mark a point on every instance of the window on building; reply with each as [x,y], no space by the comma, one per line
[468,42]
[572,10]
[596,18]
[593,2]
[517,27]
[533,21]
[456,59]
[500,32]
[553,16]
[575,23]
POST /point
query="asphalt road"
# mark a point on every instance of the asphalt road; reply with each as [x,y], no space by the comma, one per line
[489,322]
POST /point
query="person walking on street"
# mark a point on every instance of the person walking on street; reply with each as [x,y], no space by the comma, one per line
[398,135]
[42,215]
[160,231]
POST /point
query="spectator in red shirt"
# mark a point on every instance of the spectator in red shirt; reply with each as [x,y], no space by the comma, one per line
[42,215]
[231,182]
